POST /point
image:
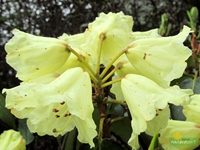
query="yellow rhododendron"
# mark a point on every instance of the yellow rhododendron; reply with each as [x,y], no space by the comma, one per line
[59,75]
[144,97]
[161,59]
[33,56]
[12,140]
[106,36]
[56,108]
[180,135]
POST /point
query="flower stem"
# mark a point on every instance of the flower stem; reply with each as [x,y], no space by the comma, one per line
[111,82]
[116,119]
[194,80]
[101,122]
[112,61]
[101,37]
[111,73]
[81,59]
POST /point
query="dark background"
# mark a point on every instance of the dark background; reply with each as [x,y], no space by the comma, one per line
[52,18]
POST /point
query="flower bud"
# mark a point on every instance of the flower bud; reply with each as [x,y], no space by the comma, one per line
[12,140]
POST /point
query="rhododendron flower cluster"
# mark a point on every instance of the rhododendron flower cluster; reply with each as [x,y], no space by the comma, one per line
[63,77]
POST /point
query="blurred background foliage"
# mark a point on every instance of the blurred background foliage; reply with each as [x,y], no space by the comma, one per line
[52,18]
[55,17]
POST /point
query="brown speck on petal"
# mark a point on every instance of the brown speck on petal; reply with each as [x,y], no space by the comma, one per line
[37,68]
[144,57]
[56,75]
[197,126]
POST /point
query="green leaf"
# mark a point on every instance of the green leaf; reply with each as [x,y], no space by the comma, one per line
[70,140]
[154,142]
[110,144]
[188,84]
[144,140]
[122,129]
[96,116]
[6,117]
[107,144]
[197,86]
[25,132]
[176,112]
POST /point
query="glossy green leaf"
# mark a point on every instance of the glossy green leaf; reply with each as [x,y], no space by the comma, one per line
[96,116]
[70,140]
[122,129]
[6,117]
[145,140]
[109,144]
[25,132]
[188,84]
[176,112]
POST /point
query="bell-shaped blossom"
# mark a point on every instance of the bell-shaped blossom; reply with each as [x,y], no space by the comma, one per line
[161,59]
[180,135]
[56,108]
[192,110]
[144,97]
[126,67]
[115,32]
[12,140]
[32,56]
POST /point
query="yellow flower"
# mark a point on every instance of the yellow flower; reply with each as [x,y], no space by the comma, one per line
[34,56]
[180,135]
[56,108]
[160,59]
[12,140]
[107,35]
[144,98]
[192,110]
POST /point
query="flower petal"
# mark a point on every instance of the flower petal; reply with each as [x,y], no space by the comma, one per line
[144,97]
[86,131]
[116,29]
[57,108]
[54,119]
[133,141]
[33,56]
[159,122]
[161,59]
[180,135]
[192,110]
[12,140]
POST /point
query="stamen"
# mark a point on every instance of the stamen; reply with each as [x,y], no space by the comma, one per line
[57,116]
[55,110]
[65,126]
[66,115]
[62,103]
[63,112]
